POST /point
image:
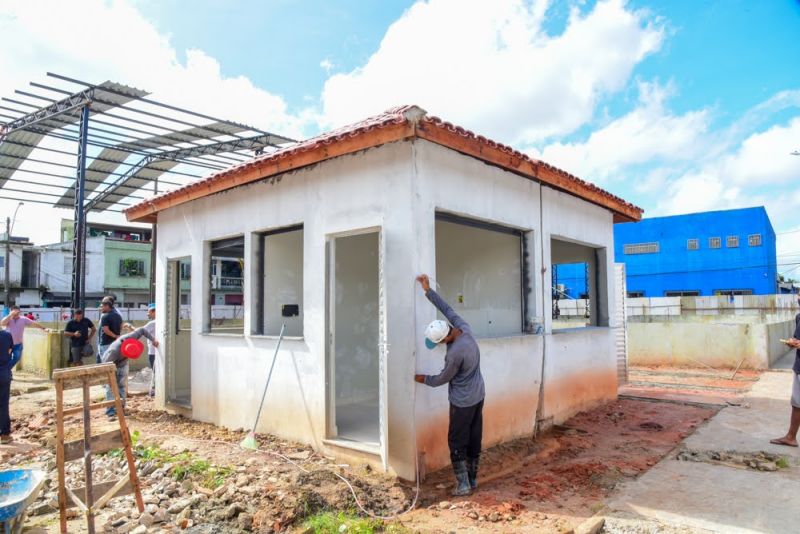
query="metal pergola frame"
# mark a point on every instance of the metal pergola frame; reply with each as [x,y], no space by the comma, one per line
[139,139]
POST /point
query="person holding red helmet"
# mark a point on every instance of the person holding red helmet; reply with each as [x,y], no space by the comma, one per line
[127,346]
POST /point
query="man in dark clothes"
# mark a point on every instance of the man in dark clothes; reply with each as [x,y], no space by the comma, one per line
[114,355]
[6,363]
[790,439]
[110,326]
[81,330]
[462,373]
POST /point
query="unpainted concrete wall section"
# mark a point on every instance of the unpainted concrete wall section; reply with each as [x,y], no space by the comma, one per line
[478,273]
[715,344]
[398,187]
[283,282]
[368,190]
[356,318]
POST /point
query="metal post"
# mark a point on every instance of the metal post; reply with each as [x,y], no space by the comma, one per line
[7,262]
[79,239]
[153,238]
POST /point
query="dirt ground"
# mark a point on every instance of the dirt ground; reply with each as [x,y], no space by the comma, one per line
[700,385]
[550,484]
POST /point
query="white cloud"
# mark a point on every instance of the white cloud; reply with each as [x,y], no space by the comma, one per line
[491,67]
[326,65]
[649,133]
[112,40]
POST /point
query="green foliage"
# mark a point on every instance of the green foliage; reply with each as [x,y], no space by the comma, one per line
[184,464]
[782,462]
[349,523]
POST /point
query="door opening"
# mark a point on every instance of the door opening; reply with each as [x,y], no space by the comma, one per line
[354,356]
[179,333]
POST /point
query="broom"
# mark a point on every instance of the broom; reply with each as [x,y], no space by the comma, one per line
[250,442]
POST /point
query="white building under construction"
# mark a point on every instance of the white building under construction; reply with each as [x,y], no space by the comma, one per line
[329,234]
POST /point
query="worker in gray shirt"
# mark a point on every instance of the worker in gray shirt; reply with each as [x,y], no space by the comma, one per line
[462,373]
[114,355]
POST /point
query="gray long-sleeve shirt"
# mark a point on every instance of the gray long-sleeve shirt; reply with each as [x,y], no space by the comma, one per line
[114,351]
[462,363]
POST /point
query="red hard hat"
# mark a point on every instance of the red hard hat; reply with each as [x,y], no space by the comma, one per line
[132,348]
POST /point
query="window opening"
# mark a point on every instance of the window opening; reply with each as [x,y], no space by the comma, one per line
[578,289]
[279,277]
[732,241]
[693,244]
[714,242]
[682,293]
[754,240]
[642,248]
[226,302]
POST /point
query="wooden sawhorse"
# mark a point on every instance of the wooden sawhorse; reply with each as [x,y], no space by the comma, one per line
[85,377]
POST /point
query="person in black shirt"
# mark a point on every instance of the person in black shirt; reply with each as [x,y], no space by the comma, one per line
[6,344]
[790,439]
[110,326]
[81,330]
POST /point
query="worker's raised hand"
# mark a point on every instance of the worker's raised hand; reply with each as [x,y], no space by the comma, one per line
[419,378]
[424,281]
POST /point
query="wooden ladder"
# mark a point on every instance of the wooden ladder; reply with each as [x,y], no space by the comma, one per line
[85,377]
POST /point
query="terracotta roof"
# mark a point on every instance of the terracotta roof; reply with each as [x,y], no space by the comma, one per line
[400,123]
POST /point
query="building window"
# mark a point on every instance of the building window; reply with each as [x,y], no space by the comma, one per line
[682,293]
[579,296]
[131,268]
[486,289]
[278,297]
[635,294]
[186,271]
[693,244]
[732,241]
[226,284]
[754,240]
[642,248]
[732,292]
[714,242]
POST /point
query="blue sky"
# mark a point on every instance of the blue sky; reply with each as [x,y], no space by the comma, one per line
[677,106]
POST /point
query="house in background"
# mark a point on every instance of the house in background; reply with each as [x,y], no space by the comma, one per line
[699,254]
[23,271]
[727,252]
[118,262]
[329,234]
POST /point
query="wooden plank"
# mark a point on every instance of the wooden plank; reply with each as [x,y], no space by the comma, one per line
[75,383]
[83,370]
[104,487]
[108,495]
[62,494]
[93,406]
[87,458]
[76,501]
[126,438]
[100,443]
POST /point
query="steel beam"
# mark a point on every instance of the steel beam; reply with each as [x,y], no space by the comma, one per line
[74,101]
[79,239]
[180,155]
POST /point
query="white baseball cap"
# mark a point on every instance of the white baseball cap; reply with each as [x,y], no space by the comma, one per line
[436,332]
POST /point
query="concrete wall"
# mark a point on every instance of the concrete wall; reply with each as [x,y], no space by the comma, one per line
[283,281]
[398,188]
[716,344]
[42,352]
[478,273]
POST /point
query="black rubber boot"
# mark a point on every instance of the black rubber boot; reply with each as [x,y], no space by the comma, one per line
[472,471]
[462,479]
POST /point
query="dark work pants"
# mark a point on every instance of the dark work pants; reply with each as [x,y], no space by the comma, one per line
[5,417]
[466,430]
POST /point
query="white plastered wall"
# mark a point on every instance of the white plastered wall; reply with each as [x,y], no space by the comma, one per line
[366,190]
[398,188]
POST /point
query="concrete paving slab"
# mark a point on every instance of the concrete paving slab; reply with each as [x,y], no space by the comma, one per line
[785,362]
[749,429]
[714,498]
[721,498]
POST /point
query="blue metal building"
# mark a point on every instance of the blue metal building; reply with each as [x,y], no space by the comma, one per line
[698,254]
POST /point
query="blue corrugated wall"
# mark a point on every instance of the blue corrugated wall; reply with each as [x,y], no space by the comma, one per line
[676,268]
